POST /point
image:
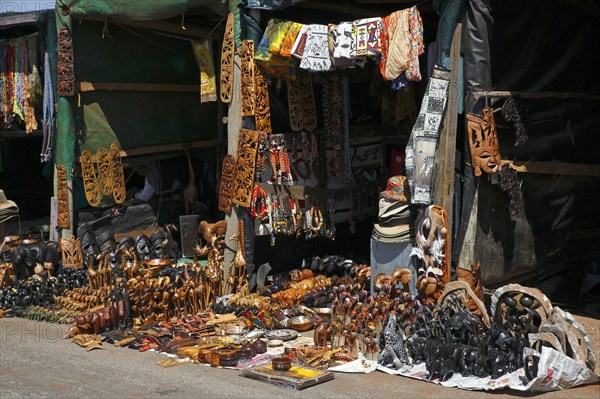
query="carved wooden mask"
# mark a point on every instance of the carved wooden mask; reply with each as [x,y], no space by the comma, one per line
[483,140]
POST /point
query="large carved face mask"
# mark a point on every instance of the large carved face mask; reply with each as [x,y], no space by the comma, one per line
[142,246]
[483,140]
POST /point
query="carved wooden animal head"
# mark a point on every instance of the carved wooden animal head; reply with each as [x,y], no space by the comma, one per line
[211,231]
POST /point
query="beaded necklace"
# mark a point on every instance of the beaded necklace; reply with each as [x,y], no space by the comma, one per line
[3,80]
[48,122]
[258,207]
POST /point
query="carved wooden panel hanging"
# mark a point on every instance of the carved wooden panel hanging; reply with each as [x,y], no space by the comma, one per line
[62,192]
[262,110]
[247,73]
[66,71]
[104,172]
[246,164]
[72,256]
[307,101]
[226,188]
[118,177]
[294,106]
[227,53]
[90,182]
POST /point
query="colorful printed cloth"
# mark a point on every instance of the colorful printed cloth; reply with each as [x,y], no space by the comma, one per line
[416,44]
[366,35]
[398,53]
[279,33]
[290,39]
[261,52]
[316,52]
[300,43]
[208,86]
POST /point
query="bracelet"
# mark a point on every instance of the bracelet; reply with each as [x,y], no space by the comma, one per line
[258,198]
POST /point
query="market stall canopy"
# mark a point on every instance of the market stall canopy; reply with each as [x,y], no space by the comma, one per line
[146,10]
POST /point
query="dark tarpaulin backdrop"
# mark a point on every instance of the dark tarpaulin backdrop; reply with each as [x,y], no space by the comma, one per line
[543,46]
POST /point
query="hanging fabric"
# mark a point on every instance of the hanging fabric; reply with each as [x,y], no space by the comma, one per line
[422,143]
[203,54]
[316,52]
[49,120]
[415,44]
[366,35]
[398,53]
[34,78]
[290,39]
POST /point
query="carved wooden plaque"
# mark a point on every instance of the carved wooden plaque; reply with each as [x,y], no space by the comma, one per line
[66,71]
[227,182]
[247,73]
[246,164]
[104,172]
[90,182]
[72,256]
[62,197]
[119,192]
[227,53]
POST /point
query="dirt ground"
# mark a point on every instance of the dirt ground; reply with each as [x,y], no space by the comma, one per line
[36,363]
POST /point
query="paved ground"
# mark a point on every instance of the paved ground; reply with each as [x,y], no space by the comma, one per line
[35,363]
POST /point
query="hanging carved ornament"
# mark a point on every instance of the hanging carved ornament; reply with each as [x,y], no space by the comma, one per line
[307,101]
[262,111]
[432,242]
[247,74]
[246,164]
[521,310]
[461,291]
[66,71]
[483,140]
[227,53]
[72,256]
[90,182]
[62,193]
[227,181]
[295,106]
[118,177]
[104,172]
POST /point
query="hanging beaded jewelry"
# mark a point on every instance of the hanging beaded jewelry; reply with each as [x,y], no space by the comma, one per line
[258,207]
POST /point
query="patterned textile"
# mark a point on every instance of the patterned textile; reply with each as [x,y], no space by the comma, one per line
[416,44]
[398,45]
[208,87]
[342,40]
[316,52]
[279,33]
[420,150]
[300,43]
[261,52]
[366,35]
[290,39]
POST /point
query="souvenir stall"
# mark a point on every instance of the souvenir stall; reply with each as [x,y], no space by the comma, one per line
[27,89]
[298,168]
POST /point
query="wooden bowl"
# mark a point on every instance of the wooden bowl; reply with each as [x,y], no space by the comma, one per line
[281,363]
[301,323]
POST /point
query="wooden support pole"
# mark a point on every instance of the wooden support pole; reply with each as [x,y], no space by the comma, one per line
[234,124]
[446,151]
